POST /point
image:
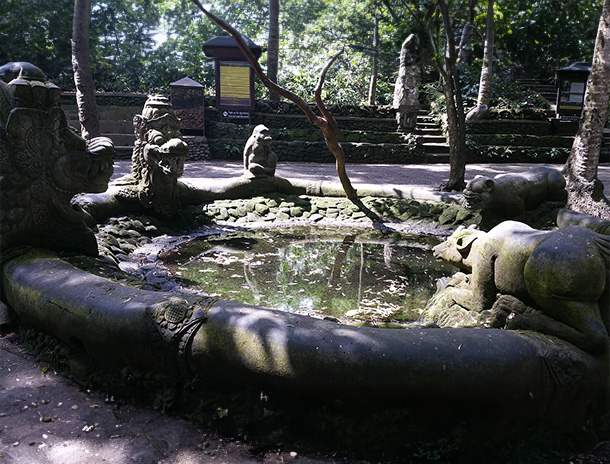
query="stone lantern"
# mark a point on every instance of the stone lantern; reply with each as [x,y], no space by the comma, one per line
[234,76]
[187,99]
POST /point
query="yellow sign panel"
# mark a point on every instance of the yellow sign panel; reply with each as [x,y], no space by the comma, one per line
[234,84]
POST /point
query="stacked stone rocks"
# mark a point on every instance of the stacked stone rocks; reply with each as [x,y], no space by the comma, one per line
[306,209]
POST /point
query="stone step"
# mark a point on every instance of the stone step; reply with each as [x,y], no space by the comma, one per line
[436,147]
[428,139]
[110,112]
[108,125]
[432,158]
[427,120]
[119,126]
[318,151]
[123,151]
[428,125]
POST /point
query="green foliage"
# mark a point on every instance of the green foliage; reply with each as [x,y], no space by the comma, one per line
[143,45]
[38,31]
[542,36]
[507,93]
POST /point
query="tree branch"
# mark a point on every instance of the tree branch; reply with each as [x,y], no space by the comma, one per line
[318,92]
[241,44]
[326,123]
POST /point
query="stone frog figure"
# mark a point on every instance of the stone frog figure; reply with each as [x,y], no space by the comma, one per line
[259,160]
[158,159]
[556,282]
[44,163]
[510,195]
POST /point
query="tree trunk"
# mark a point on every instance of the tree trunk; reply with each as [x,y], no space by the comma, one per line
[273,45]
[585,191]
[83,76]
[485,86]
[375,60]
[455,109]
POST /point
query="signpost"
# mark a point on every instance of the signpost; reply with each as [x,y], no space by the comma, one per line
[572,83]
[234,76]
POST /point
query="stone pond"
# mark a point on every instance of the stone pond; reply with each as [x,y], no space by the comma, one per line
[550,367]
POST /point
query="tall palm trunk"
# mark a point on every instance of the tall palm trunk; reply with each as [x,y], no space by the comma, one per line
[485,87]
[83,75]
[374,61]
[273,45]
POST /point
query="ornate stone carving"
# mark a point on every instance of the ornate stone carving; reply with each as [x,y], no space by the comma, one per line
[554,282]
[259,160]
[176,320]
[44,163]
[158,159]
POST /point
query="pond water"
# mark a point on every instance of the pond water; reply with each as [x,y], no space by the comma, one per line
[360,273]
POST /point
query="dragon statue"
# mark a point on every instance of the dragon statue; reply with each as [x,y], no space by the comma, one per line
[44,163]
[157,161]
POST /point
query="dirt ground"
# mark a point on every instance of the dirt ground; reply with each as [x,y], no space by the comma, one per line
[47,419]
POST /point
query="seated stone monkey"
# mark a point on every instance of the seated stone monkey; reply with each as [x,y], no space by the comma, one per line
[259,160]
[556,282]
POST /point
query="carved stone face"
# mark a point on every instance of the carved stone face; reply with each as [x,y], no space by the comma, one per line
[478,192]
[164,147]
[158,158]
[456,249]
[261,133]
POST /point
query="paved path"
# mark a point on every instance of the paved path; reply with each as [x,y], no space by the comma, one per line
[415,175]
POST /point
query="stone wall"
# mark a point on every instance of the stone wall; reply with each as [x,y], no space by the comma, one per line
[519,136]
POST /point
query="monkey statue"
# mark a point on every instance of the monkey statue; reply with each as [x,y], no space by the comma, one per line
[259,160]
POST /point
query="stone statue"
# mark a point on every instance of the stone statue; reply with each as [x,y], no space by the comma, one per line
[44,163]
[158,159]
[567,217]
[259,160]
[477,113]
[406,90]
[510,195]
[554,282]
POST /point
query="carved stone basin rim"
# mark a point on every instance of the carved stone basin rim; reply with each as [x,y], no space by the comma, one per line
[539,377]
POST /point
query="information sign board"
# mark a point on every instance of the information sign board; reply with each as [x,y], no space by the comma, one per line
[234,84]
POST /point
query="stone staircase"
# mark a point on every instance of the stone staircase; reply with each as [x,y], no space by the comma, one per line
[367,135]
[116,112]
[545,87]
[116,123]
[435,143]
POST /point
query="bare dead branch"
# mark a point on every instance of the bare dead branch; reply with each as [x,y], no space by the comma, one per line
[318,92]
[326,123]
[302,104]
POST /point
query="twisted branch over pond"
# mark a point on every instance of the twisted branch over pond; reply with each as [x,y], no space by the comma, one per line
[326,122]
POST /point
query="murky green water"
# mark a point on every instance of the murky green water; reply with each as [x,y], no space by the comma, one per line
[371,275]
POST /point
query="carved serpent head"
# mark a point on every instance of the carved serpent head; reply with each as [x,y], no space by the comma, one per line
[44,163]
[158,157]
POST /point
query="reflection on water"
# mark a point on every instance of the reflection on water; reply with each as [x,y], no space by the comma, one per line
[366,274]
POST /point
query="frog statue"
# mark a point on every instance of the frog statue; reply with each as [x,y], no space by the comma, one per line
[157,161]
[44,163]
